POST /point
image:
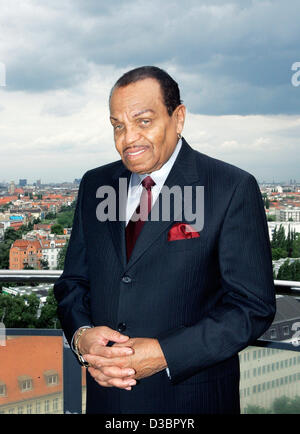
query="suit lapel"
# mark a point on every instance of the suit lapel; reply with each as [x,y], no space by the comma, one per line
[183,173]
[117,228]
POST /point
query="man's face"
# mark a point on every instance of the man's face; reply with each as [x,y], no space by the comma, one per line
[145,135]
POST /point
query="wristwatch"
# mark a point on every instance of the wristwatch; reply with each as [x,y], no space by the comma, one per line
[77,352]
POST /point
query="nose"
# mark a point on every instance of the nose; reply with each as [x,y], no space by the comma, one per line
[131,135]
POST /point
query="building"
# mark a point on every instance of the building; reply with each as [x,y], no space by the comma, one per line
[50,250]
[43,226]
[288,214]
[11,188]
[22,182]
[269,373]
[31,383]
[25,253]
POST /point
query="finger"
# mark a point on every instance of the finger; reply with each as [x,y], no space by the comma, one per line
[112,352]
[99,362]
[122,383]
[113,335]
[106,381]
[116,372]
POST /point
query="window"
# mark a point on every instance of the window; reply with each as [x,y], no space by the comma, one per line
[25,383]
[285,330]
[55,404]
[2,389]
[38,407]
[47,406]
[273,334]
[51,377]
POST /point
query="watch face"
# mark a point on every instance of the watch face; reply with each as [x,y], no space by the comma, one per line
[83,362]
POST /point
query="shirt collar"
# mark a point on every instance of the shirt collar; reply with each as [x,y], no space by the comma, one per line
[159,176]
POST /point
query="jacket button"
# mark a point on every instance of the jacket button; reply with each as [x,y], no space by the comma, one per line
[126,279]
[121,327]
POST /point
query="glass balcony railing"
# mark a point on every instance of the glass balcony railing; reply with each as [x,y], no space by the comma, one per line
[40,375]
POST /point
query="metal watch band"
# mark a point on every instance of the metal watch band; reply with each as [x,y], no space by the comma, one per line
[79,355]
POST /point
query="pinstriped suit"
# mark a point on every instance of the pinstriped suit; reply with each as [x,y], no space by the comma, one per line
[204,298]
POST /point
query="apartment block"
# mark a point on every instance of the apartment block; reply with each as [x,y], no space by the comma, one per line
[25,253]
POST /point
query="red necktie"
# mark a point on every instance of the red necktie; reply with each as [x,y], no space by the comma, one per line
[138,218]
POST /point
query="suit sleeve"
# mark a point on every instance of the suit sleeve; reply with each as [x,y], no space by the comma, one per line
[247,307]
[72,288]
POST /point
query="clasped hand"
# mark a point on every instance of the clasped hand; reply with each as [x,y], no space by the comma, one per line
[120,365]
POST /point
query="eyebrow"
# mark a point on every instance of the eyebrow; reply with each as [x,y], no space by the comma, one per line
[136,114]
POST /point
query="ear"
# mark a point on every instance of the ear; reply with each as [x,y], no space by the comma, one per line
[179,117]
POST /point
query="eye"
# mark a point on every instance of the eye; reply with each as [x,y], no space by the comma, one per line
[144,122]
[117,127]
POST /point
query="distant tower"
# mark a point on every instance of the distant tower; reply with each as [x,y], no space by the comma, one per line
[11,188]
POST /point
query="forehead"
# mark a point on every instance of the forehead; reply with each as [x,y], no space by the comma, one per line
[135,97]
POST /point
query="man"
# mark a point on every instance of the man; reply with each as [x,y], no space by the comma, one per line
[160,310]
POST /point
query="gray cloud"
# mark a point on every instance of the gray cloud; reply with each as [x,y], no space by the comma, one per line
[230,56]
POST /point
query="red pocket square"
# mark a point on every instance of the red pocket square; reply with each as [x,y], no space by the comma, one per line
[182,231]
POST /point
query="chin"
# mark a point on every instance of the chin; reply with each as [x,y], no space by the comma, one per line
[137,168]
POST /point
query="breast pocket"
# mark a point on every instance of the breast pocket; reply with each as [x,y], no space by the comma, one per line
[184,244]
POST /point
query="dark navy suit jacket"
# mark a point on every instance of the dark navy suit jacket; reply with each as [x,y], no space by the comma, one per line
[204,298]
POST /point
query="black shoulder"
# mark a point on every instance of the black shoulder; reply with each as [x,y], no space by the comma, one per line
[221,171]
[103,174]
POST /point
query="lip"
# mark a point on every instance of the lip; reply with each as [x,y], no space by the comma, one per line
[135,152]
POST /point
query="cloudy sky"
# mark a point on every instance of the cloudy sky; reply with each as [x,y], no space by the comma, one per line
[232,59]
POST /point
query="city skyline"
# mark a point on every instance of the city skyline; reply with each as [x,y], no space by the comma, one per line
[40,182]
[236,65]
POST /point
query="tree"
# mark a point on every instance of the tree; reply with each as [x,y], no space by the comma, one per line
[19,311]
[44,264]
[278,253]
[286,405]
[57,229]
[296,245]
[289,271]
[281,237]
[256,409]
[284,272]
[48,317]
[274,244]
[61,257]
[50,216]
[28,267]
